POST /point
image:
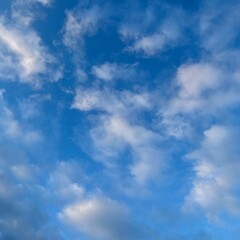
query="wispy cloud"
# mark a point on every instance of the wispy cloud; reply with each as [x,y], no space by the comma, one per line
[23,55]
[79,23]
[13,129]
[113,71]
[141,37]
[114,132]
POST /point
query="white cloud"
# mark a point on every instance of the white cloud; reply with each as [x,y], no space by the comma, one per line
[114,131]
[199,91]
[114,134]
[30,107]
[150,44]
[23,55]
[24,12]
[121,102]
[86,100]
[66,181]
[13,129]
[110,71]
[80,23]
[200,88]
[194,82]
[196,78]
[142,40]
[101,218]
[217,36]
[130,27]
[25,47]
[150,163]
[44,2]
[25,172]
[216,167]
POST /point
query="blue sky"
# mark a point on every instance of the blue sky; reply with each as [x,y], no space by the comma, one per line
[119,120]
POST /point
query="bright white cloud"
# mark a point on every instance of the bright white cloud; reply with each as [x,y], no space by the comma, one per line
[101,218]
[215,188]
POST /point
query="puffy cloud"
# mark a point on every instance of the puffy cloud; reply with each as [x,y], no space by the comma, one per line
[195,82]
[196,78]
[216,167]
[101,218]
[196,86]
[199,88]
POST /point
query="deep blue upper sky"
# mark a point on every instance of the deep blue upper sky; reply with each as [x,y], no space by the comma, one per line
[119,120]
